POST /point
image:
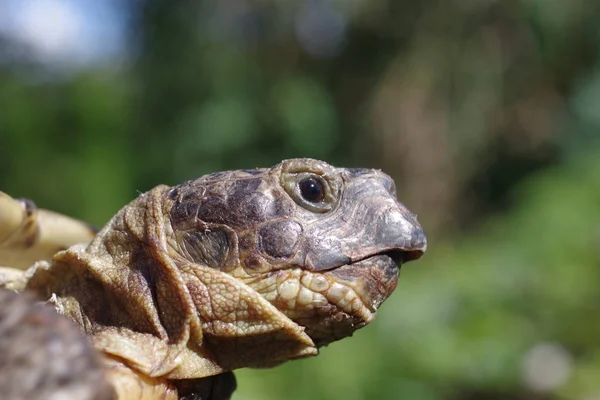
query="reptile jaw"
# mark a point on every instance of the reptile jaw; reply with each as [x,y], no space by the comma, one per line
[331,304]
[341,296]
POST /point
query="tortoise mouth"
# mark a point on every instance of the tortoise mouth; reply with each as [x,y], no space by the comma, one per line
[334,303]
[372,278]
[399,256]
[351,296]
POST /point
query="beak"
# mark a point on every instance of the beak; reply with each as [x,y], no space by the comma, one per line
[369,221]
[397,234]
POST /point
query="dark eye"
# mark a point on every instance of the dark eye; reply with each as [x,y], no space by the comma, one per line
[312,190]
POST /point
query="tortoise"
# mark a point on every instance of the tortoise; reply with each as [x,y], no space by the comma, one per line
[185,284]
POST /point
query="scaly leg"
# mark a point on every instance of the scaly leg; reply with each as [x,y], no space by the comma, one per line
[29,234]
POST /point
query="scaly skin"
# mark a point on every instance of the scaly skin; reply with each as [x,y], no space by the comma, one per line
[234,269]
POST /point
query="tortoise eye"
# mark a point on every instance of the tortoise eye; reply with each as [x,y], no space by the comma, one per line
[314,192]
[311,190]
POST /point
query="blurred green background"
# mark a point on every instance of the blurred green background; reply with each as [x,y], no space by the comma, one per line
[486,113]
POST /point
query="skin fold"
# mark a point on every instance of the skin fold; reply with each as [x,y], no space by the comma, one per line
[246,268]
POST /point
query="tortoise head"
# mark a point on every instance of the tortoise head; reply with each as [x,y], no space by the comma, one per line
[322,244]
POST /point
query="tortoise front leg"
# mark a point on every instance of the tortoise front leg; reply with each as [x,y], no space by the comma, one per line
[29,234]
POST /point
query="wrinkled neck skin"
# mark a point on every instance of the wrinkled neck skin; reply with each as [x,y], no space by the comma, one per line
[143,304]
